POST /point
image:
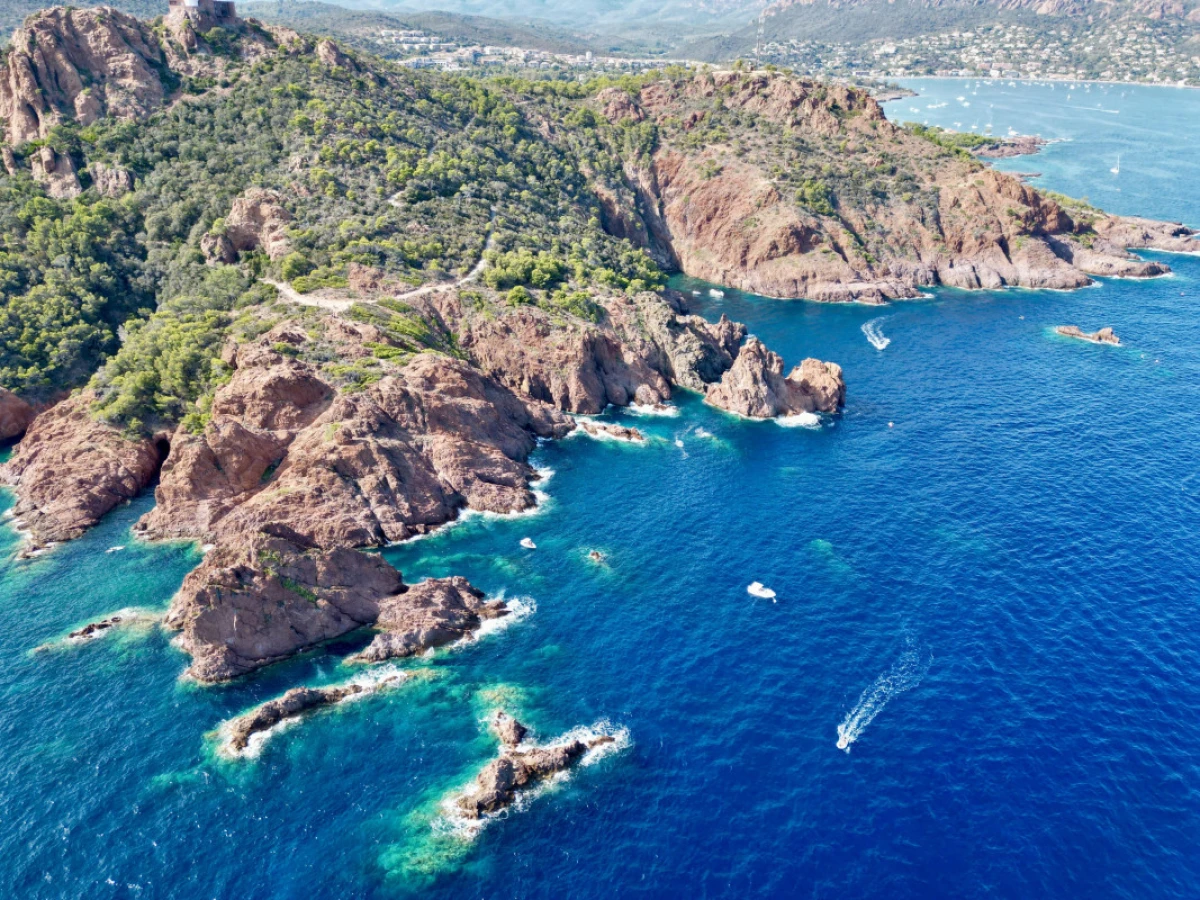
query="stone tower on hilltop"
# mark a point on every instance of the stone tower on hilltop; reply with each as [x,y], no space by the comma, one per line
[202,14]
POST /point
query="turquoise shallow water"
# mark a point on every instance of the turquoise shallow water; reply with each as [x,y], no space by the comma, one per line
[996,599]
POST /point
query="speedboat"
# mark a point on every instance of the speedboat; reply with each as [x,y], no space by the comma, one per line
[757,589]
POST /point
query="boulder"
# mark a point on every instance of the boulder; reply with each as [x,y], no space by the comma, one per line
[15,416]
[430,614]
[755,386]
[256,221]
[56,172]
[269,598]
[111,180]
[70,469]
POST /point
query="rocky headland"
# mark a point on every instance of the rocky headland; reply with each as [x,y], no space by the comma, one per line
[799,207]
[1103,336]
[1008,147]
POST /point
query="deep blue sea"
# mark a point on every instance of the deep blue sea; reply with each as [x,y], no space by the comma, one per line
[988,591]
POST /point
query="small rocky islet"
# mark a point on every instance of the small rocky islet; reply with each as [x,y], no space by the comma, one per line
[1103,336]
[355,410]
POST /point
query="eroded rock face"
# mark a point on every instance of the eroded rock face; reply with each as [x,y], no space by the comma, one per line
[111,180]
[249,606]
[509,730]
[262,602]
[722,216]
[349,470]
[1134,233]
[71,469]
[56,172]
[15,416]
[331,55]
[497,786]
[641,348]
[80,64]
[257,220]
[430,614]
[756,387]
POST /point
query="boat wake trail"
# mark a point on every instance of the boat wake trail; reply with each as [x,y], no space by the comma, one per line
[874,335]
[906,673]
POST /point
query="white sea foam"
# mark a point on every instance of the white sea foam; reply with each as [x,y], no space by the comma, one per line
[875,335]
[906,673]
[601,433]
[540,505]
[519,609]
[653,409]
[372,680]
[800,420]
[703,433]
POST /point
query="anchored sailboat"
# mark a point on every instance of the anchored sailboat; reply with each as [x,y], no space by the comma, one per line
[1116,170]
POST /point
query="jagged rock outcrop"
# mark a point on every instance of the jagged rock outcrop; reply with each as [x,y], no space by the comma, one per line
[287,452]
[430,614]
[257,221]
[331,55]
[269,598]
[509,730]
[80,64]
[643,347]
[1134,233]
[351,469]
[1103,336]
[756,387]
[15,416]
[71,469]
[294,703]
[265,600]
[111,180]
[57,172]
[726,217]
[497,786]
[611,431]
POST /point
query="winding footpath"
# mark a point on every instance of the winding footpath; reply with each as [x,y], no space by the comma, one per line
[341,304]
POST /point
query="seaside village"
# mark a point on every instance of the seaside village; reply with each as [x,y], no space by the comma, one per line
[420,50]
[1111,51]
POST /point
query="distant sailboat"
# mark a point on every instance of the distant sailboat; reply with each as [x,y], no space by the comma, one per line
[1116,170]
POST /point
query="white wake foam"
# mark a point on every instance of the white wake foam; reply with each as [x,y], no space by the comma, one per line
[906,673]
[875,335]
